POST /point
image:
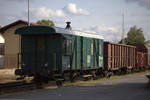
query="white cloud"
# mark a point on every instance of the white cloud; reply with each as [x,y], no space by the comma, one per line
[11,17]
[59,13]
[109,33]
[103,29]
[63,14]
[72,9]
[44,12]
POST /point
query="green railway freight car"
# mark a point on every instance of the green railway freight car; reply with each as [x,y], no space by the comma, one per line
[52,51]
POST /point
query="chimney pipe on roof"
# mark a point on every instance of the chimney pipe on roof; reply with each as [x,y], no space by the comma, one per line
[68,26]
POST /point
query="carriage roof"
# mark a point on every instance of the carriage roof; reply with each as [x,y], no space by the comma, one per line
[37,30]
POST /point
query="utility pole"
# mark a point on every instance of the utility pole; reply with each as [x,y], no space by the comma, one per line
[28,14]
[123,39]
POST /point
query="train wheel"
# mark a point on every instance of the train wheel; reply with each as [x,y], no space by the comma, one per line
[105,73]
[100,74]
[123,71]
[59,83]
[94,75]
[73,76]
[117,72]
[66,76]
[143,69]
[109,74]
[129,71]
[45,80]
[38,81]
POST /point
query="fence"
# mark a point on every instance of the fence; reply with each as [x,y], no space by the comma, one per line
[1,61]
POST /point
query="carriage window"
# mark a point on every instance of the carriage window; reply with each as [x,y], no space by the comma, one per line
[100,50]
[67,47]
[91,48]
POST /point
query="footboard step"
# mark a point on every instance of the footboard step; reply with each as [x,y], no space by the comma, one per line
[86,76]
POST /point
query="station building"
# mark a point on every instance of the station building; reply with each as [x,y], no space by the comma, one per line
[12,43]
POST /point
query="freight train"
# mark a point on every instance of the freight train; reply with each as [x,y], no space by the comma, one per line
[52,53]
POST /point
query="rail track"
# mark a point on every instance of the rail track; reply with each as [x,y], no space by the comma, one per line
[20,86]
[17,87]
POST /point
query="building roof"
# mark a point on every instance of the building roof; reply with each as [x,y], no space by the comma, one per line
[36,30]
[15,23]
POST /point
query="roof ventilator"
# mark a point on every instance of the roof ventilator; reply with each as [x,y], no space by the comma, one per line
[68,26]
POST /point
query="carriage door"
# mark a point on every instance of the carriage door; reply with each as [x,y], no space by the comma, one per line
[53,55]
[40,53]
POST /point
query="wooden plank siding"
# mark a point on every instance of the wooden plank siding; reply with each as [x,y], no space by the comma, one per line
[118,56]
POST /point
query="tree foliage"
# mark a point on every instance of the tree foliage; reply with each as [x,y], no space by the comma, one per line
[46,22]
[135,36]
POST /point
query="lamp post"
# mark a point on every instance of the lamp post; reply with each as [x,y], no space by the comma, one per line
[28,14]
[123,39]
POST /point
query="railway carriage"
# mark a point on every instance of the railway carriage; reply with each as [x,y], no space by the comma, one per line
[148,54]
[53,52]
[141,60]
[142,53]
[119,57]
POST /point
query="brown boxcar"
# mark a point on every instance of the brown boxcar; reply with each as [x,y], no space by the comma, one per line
[141,56]
[141,60]
[118,56]
[148,52]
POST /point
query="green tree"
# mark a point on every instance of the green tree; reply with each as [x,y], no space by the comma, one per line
[46,22]
[123,40]
[135,36]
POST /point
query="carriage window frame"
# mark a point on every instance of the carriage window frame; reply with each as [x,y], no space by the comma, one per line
[92,49]
[67,47]
[100,49]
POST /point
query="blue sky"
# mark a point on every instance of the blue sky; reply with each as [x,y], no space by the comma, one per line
[101,16]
